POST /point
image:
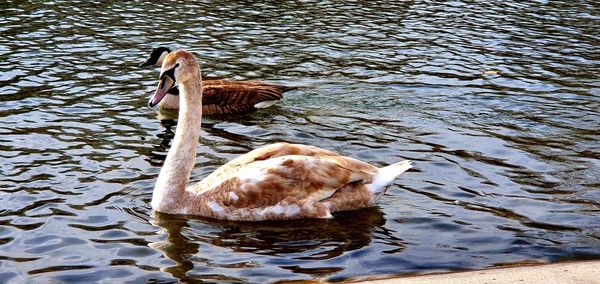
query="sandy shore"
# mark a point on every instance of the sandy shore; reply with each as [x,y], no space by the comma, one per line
[560,273]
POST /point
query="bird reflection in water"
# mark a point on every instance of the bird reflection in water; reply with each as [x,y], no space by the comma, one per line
[298,241]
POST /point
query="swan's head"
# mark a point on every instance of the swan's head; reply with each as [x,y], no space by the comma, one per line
[157,56]
[178,67]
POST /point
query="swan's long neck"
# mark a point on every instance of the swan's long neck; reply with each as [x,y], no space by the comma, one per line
[169,192]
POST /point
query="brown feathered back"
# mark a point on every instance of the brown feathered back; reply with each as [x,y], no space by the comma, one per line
[226,96]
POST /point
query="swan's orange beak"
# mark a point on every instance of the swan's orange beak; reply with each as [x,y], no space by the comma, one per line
[167,80]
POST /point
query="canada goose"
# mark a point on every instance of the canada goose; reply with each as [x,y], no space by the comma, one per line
[276,182]
[223,96]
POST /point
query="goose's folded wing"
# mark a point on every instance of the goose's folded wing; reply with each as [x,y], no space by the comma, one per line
[239,94]
[220,82]
[281,88]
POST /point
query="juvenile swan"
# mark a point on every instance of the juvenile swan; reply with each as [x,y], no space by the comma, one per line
[223,96]
[277,182]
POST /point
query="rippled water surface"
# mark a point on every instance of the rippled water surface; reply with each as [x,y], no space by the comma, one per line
[497,103]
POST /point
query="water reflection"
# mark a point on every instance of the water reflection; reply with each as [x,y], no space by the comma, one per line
[290,242]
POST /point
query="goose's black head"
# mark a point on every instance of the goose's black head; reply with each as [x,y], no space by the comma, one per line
[156,57]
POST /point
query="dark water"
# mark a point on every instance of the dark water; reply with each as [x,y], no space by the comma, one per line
[498,104]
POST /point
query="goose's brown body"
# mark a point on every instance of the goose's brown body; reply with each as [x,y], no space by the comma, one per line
[276,182]
[228,96]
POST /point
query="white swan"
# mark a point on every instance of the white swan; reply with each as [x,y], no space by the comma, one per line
[276,182]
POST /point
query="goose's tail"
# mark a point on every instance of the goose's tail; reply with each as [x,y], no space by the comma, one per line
[284,89]
[386,175]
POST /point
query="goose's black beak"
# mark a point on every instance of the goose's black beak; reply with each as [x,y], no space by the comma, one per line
[148,62]
[167,81]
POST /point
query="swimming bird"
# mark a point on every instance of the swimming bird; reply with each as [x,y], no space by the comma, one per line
[279,181]
[223,96]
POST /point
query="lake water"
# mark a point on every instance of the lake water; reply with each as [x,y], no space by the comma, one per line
[497,104]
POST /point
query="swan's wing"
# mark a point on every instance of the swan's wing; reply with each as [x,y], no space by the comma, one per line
[270,151]
[288,185]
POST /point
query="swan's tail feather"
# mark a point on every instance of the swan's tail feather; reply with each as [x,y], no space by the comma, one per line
[386,175]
